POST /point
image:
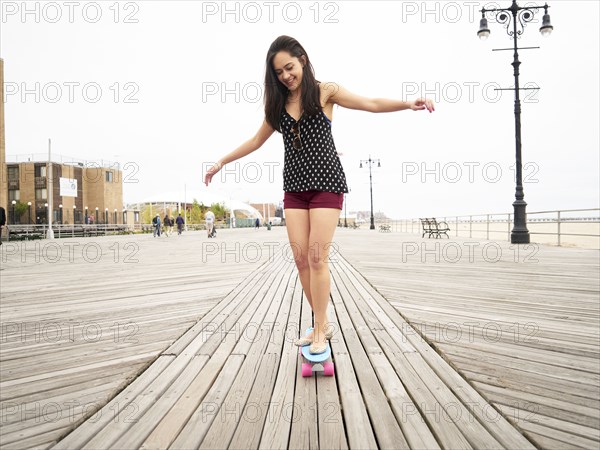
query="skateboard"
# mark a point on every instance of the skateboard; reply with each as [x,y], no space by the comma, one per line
[316,363]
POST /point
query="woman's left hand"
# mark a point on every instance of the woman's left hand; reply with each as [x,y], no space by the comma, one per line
[422,103]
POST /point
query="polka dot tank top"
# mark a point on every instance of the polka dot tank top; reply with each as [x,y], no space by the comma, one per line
[316,165]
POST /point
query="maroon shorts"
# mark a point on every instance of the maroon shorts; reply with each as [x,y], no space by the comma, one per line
[313,199]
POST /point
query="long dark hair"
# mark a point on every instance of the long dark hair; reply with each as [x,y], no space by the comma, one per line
[275,91]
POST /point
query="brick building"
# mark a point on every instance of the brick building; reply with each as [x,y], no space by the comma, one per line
[24,187]
[98,199]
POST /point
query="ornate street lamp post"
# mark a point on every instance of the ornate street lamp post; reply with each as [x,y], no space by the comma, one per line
[370,162]
[518,16]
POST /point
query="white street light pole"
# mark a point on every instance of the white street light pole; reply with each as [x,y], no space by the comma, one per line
[50,233]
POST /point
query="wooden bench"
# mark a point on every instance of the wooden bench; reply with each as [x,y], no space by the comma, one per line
[432,227]
[385,228]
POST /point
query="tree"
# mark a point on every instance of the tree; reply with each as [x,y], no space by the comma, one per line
[196,214]
[20,209]
[219,211]
[148,212]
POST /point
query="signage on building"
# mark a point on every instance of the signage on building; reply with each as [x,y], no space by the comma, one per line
[68,187]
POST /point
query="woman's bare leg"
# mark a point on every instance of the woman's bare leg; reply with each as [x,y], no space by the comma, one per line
[298,229]
[323,222]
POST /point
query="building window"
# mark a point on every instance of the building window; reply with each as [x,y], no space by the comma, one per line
[13,173]
[124,217]
[40,171]
[109,177]
[136,217]
[14,194]
[41,194]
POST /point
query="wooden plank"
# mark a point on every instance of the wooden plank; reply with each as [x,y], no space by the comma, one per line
[568,430]
[89,428]
[254,414]
[386,428]
[33,442]
[169,421]
[500,429]
[552,372]
[51,418]
[414,427]
[546,406]
[540,385]
[222,308]
[46,415]
[175,296]
[304,433]
[50,386]
[188,401]
[256,411]
[209,410]
[329,409]
[66,372]
[533,335]
[149,407]
[203,429]
[233,321]
[354,411]
[276,430]
[130,422]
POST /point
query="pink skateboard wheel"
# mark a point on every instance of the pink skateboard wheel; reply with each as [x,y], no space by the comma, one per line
[307,370]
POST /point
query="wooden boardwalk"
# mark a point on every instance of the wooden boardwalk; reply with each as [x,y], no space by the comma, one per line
[214,365]
[521,324]
[80,319]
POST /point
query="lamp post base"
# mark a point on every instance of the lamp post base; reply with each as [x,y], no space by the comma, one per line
[519,238]
[50,234]
[520,233]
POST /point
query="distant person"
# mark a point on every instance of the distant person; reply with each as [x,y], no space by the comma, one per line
[156,223]
[167,225]
[179,221]
[2,221]
[209,217]
[257,224]
[301,109]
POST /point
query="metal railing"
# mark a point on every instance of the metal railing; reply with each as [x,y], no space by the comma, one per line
[564,227]
[17,231]
[29,232]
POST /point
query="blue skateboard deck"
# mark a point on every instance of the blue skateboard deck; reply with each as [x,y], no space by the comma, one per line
[316,363]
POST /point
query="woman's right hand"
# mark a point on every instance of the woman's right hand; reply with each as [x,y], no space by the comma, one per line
[212,172]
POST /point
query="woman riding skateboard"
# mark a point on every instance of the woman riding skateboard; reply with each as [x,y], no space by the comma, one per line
[301,108]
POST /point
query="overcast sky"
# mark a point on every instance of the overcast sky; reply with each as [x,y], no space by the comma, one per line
[165,87]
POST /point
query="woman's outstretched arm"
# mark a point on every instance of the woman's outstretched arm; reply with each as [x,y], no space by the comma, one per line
[341,96]
[252,144]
